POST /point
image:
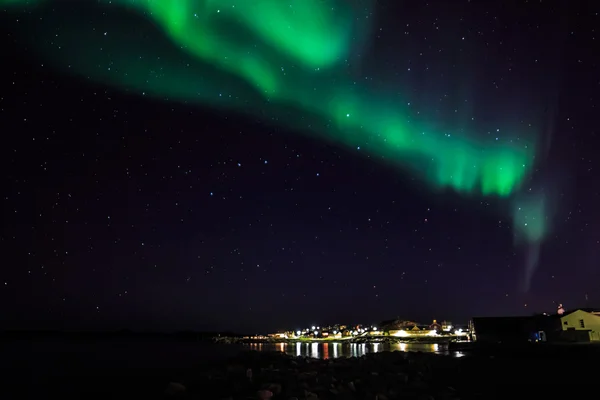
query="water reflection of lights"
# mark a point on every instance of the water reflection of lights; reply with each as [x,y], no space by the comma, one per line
[336,347]
[353,349]
[256,346]
[314,350]
[325,351]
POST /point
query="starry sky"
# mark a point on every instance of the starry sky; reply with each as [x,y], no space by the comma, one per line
[210,166]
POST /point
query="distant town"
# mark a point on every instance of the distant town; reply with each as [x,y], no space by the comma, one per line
[580,325]
[576,325]
[387,330]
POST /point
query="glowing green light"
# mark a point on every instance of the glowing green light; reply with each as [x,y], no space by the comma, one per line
[284,60]
[530,218]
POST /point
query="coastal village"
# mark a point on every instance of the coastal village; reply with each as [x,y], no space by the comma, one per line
[489,358]
[579,325]
[393,328]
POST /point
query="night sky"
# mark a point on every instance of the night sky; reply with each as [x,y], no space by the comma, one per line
[148,184]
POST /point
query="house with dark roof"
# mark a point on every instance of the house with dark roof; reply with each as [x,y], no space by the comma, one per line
[514,329]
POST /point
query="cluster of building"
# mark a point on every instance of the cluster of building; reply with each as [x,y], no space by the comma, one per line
[397,328]
[337,331]
[410,329]
[578,325]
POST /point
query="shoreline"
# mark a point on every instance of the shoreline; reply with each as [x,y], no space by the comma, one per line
[110,371]
[376,339]
[385,375]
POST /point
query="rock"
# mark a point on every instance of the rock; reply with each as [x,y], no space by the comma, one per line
[264,394]
[175,389]
[275,388]
[311,396]
[235,369]
[402,377]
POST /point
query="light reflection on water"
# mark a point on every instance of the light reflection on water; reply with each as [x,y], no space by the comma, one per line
[338,349]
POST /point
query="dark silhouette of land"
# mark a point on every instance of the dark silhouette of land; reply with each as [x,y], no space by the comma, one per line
[112,335]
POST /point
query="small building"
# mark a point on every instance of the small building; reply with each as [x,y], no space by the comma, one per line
[435,326]
[447,326]
[415,332]
[278,335]
[581,325]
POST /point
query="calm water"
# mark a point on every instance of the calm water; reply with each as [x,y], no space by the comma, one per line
[335,350]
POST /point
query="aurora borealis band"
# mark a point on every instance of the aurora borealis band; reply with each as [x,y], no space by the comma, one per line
[288,61]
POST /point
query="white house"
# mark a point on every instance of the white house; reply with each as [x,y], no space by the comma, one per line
[580,320]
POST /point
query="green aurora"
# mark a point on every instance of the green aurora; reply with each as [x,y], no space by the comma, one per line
[282,61]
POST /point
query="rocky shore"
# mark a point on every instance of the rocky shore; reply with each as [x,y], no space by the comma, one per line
[380,376]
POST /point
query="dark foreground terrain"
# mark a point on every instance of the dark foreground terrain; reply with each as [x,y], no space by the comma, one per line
[536,371]
[490,373]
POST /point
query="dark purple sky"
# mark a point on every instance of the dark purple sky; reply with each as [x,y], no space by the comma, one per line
[126,212]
